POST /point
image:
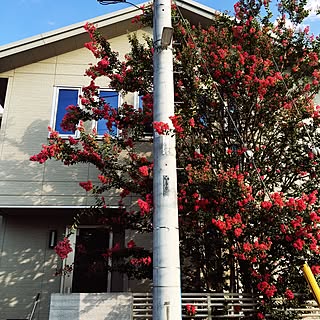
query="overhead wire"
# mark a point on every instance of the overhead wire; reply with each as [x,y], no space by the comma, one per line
[107,2]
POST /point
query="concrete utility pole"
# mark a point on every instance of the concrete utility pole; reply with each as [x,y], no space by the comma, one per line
[166,259]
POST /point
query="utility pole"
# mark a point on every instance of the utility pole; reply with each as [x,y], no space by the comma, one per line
[166,259]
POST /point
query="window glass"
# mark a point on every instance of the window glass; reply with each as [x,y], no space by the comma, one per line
[148,127]
[112,99]
[66,97]
[3,92]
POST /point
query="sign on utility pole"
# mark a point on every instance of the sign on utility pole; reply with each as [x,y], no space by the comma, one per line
[166,260]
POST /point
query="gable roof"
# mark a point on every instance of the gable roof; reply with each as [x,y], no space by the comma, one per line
[73,37]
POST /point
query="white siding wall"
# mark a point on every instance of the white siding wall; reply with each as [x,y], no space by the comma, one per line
[27,265]
[28,110]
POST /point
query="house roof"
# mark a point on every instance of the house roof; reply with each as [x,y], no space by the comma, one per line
[72,37]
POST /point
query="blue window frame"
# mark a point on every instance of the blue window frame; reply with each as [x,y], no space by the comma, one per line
[112,99]
[65,97]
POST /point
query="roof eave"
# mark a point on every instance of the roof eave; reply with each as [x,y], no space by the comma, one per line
[73,37]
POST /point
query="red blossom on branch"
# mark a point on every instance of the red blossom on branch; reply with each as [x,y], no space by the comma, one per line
[289,294]
[161,127]
[144,207]
[144,171]
[191,310]
[86,185]
[63,248]
[141,261]
[131,244]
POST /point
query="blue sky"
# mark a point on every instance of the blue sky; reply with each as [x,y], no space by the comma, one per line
[25,18]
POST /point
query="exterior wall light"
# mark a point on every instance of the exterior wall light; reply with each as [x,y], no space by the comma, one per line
[166,37]
[52,239]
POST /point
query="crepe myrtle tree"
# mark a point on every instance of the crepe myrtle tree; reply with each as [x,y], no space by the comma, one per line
[247,140]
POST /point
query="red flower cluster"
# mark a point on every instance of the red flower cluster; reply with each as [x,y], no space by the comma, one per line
[175,122]
[289,294]
[63,248]
[230,223]
[131,244]
[86,185]
[191,309]
[266,205]
[144,207]
[161,127]
[46,153]
[109,252]
[141,261]
[260,316]
[90,28]
[315,270]
[144,171]
[266,288]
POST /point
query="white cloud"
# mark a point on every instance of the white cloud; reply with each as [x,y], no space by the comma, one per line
[313,6]
[313,20]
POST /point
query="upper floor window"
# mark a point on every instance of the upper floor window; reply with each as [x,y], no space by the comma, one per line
[139,104]
[64,97]
[112,98]
[3,91]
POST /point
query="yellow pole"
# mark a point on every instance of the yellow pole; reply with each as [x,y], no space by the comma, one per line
[312,282]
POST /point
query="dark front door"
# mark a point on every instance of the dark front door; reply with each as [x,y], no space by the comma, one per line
[90,267]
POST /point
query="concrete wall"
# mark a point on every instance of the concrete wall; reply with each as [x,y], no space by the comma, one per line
[27,114]
[85,306]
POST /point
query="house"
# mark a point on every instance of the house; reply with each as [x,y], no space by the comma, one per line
[39,76]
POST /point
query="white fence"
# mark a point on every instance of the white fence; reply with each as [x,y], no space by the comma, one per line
[211,306]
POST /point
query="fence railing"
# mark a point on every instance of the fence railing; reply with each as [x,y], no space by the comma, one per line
[211,306]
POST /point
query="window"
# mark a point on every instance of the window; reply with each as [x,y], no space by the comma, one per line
[148,127]
[64,97]
[89,272]
[3,91]
[113,100]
